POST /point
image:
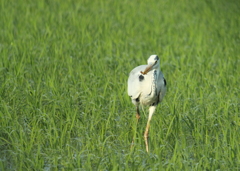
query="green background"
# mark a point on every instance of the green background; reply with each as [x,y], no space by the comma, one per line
[63,77]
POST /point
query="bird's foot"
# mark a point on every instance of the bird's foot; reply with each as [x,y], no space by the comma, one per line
[137,116]
[146,142]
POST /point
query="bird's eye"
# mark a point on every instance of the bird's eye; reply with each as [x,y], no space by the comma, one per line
[156,58]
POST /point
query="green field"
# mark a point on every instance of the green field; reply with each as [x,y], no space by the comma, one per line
[64,67]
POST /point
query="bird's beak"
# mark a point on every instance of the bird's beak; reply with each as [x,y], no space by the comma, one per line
[148,68]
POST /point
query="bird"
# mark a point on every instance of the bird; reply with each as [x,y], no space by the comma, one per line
[147,86]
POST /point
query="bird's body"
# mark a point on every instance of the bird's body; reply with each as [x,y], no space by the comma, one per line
[145,89]
[147,86]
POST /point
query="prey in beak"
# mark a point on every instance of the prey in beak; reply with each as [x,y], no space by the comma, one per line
[148,68]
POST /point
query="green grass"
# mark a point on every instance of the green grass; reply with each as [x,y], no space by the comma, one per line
[63,78]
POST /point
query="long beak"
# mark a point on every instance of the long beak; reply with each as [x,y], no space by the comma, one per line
[148,68]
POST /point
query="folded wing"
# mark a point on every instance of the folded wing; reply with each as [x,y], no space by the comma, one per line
[138,83]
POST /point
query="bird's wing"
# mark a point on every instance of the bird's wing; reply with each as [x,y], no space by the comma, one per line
[162,86]
[138,83]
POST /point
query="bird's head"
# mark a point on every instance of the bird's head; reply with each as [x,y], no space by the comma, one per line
[153,63]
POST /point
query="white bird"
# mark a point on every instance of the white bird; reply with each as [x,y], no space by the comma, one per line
[147,86]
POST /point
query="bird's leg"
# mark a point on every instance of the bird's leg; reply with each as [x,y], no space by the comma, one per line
[151,111]
[138,113]
[137,116]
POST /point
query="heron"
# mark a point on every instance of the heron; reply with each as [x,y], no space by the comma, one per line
[147,86]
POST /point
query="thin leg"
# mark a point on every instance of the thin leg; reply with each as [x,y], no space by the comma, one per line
[151,111]
[137,116]
[138,113]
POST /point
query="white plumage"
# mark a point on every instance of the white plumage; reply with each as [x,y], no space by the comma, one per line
[147,86]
